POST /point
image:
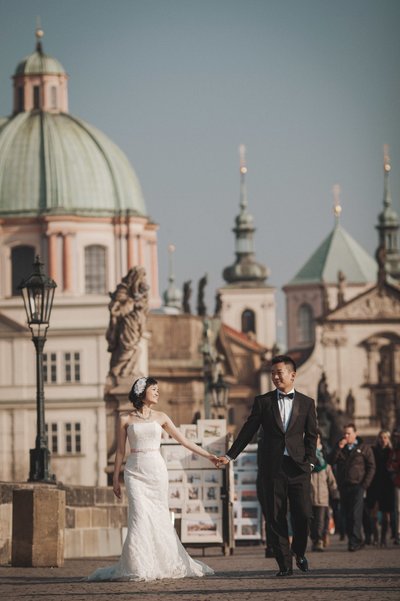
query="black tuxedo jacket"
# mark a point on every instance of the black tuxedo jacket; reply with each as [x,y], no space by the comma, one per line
[300,437]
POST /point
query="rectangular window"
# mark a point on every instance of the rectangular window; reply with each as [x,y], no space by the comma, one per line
[36,97]
[50,367]
[72,367]
[72,438]
[52,437]
[95,269]
[21,99]
[53,97]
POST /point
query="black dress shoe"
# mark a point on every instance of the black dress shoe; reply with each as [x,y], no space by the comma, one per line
[356,547]
[285,572]
[302,563]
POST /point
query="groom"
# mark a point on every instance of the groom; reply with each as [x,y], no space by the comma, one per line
[289,422]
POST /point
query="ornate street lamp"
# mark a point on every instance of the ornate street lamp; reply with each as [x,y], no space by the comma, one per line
[220,392]
[38,293]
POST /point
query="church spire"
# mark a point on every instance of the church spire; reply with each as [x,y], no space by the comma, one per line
[245,269]
[388,223]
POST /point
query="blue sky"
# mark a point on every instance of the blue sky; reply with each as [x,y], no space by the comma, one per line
[311,87]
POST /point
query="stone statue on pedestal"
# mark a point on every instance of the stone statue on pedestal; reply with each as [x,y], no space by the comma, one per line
[128,310]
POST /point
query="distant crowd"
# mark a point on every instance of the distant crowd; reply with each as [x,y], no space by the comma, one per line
[355,492]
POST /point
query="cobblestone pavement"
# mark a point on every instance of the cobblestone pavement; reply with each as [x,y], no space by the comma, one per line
[369,574]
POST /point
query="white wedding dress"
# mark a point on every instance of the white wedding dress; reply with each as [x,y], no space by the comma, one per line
[152,549]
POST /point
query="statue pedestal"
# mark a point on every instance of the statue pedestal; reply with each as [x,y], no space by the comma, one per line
[38,526]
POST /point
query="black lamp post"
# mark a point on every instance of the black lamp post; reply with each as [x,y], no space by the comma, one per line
[38,293]
[220,391]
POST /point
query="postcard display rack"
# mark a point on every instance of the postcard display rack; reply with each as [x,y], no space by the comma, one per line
[199,496]
[246,508]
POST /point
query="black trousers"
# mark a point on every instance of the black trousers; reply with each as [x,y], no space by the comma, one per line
[318,522]
[352,498]
[291,484]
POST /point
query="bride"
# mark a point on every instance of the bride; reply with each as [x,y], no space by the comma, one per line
[152,549]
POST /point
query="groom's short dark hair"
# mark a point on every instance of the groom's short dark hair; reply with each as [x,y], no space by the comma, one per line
[284,359]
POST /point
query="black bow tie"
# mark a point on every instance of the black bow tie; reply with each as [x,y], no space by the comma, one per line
[282,395]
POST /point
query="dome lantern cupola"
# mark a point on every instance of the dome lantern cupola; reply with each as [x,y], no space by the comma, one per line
[245,269]
[40,82]
[388,224]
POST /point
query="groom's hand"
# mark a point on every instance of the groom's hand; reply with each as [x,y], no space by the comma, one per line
[222,461]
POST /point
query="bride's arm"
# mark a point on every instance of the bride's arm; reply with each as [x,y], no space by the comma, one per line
[173,431]
[119,456]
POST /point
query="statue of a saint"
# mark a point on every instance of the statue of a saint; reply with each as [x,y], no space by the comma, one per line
[201,307]
[187,293]
[128,309]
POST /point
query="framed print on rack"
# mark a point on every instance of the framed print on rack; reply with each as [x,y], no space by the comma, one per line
[205,529]
[193,492]
[211,493]
[194,477]
[189,431]
[211,428]
[212,477]
[176,495]
[251,511]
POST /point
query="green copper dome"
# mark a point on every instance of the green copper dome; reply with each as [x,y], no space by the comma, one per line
[58,164]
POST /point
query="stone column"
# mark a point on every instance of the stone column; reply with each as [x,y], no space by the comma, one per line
[67,262]
[130,240]
[38,526]
[154,270]
[52,255]
[140,251]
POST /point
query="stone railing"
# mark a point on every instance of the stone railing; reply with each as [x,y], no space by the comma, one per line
[95,521]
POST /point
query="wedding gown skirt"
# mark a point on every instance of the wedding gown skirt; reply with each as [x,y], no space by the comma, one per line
[152,549]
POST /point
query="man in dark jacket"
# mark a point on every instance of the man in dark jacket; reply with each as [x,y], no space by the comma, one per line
[355,468]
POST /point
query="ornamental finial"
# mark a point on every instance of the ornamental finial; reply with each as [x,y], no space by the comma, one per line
[337,207]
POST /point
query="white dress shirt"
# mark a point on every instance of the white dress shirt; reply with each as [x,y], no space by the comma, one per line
[285,409]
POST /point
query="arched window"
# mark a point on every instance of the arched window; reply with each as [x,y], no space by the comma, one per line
[22,259]
[95,269]
[248,321]
[305,324]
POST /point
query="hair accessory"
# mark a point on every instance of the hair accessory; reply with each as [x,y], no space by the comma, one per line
[139,386]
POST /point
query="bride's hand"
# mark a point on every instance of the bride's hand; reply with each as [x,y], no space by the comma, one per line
[214,459]
[117,490]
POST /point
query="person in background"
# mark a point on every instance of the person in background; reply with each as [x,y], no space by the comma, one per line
[380,494]
[394,469]
[323,485]
[355,468]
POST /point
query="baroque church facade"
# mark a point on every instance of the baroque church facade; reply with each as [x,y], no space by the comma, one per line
[345,334]
[69,195]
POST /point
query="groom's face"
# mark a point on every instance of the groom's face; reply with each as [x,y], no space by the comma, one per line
[283,376]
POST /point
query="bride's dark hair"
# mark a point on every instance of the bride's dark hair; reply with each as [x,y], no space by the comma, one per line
[138,391]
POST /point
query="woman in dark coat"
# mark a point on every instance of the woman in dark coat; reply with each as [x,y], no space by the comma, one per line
[380,494]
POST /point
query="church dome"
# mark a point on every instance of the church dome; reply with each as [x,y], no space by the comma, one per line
[53,163]
[39,63]
[56,163]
